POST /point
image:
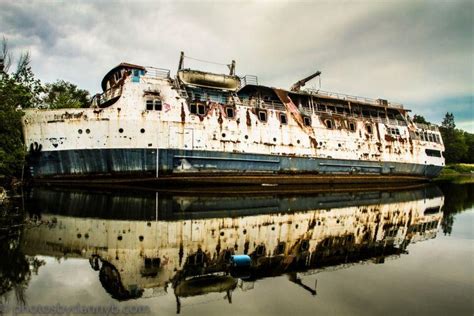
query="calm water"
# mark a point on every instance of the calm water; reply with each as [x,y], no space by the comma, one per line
[365,252]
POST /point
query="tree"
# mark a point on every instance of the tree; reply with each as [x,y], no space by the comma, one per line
[448,121]
[18,89]
[454,140]
[419,119]
[63,94]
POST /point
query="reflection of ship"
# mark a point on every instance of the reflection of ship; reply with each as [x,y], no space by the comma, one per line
[182,242]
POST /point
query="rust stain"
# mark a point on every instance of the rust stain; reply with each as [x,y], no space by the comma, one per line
[183,114]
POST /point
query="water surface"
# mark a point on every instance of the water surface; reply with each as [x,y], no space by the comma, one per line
[357,252]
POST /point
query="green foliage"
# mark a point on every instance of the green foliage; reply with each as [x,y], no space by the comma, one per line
[19,89]
[459,145]
[420,119]
[63,94]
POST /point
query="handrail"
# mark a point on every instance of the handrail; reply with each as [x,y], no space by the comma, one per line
[430,127]
[160,73]
[348,97]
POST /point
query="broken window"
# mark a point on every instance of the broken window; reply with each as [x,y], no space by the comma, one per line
[352,127]
[201,109]
[229,112]
[307,121]
[157,105]
[368,127]
[328,124]
[153,104]
[283,119]
[149,105]
[262,116]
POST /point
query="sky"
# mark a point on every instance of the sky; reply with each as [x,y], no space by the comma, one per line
[418,53]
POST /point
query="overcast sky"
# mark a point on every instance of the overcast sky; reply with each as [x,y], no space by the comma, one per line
[417,53]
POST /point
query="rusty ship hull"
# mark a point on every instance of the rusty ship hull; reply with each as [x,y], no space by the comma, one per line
[203,127]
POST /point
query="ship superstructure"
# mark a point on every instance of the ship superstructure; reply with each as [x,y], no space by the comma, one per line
[148,125]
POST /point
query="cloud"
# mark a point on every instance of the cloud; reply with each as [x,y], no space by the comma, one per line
[416,53]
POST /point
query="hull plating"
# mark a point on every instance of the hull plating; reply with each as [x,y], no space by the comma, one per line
[150,163]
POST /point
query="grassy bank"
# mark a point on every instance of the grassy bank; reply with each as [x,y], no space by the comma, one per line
[458,172]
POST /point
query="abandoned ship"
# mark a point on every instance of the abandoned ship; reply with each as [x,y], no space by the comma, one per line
[203,126]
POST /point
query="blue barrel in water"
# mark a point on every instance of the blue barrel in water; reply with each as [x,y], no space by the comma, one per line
[240,261]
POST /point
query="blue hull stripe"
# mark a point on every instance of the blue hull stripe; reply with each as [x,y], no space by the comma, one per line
[142,162]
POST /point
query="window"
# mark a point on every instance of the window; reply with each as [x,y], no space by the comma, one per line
[262,116]
[368,127]
[322,107]
[153,104]
[229,112]
[157,105]
[149,105]
[433,153]
[328,124]
[201,109]
[307,120]
[197,108]
[283,119]
[352,127]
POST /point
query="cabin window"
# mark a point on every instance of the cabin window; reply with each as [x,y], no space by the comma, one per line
[229,112]
[339,110]
[352,127]
[438,140]
[328,124]
[365,114]
[322,107]
[368,127]
[149,105]
[331,108]
[262,116]
[153,105]
[283,119]
[433,153]
[157,105]
[201,109]
[307,121]
[197,108]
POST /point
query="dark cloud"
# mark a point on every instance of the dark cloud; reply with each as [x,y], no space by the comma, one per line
[413,52]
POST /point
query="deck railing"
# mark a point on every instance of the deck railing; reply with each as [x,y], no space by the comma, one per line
[348,97]
[159,73]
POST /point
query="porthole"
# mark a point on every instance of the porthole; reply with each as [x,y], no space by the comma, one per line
[120,130]
[274,139]
[223,135]
[222,234]
[246,137]
[298,141]
[88,131]
[119,237]
[79,235]
[79,131]
[140,238]
[142,130]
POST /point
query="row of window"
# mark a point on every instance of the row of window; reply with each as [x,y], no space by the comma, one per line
[429,137]
[393,131]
